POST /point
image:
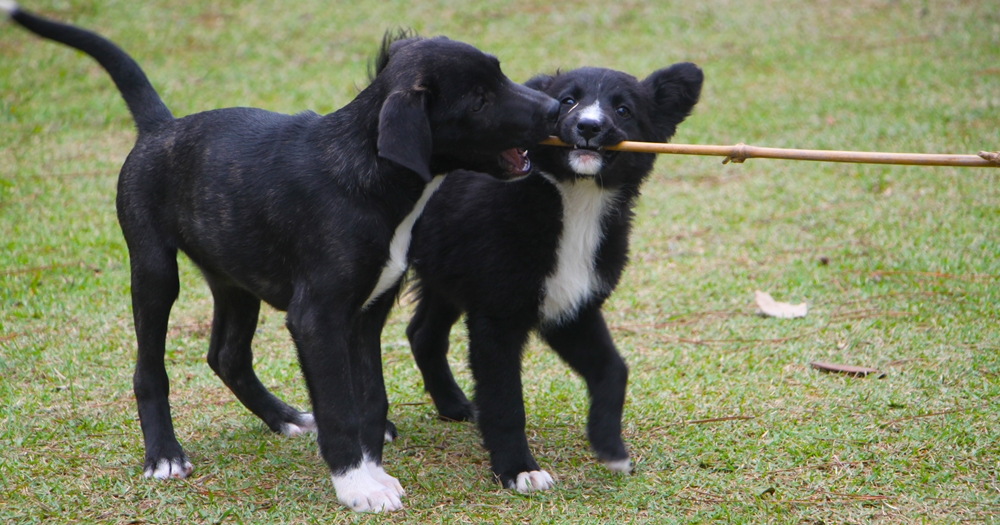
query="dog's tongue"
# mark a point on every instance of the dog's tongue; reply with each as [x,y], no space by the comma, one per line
[515,162]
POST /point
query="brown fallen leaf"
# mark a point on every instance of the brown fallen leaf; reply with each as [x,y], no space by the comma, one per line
[851,370]
[771,308]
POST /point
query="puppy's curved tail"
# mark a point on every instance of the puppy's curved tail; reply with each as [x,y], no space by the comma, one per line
[147,109]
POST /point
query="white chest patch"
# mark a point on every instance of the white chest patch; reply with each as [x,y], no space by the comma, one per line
[395,267]
[574,279]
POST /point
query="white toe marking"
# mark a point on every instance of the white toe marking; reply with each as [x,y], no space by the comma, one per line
[166,469]
[574,281]
[621,466]
[388,437]
[386,480]
[534,481]
[8,6]
[359,490]
[395,267]
[307,423]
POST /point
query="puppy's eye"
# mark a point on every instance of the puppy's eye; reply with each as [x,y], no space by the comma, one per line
[569,101]
[478,105]
[623,112]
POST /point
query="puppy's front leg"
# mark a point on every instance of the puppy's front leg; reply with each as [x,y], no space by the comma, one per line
[495,355]
[321,330]
[369,384]
[231,357]
[586,345]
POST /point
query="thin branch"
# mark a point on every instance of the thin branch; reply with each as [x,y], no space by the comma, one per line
[740,152]
[710,420]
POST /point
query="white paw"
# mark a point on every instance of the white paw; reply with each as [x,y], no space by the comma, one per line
[361,492]
[169,469]
[621,466]
[307,423]
[534,481]
[386,480]
[388,437]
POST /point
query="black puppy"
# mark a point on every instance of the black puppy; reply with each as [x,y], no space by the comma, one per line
[542,253]
[309,213]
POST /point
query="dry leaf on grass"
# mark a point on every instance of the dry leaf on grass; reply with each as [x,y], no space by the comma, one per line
[772,308]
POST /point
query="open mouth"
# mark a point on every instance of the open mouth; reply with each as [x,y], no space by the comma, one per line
[515,162]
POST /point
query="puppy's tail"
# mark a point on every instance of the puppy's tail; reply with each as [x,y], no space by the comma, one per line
[148,110]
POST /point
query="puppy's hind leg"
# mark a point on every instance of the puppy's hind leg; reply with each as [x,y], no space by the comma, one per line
[585,344]
[428,333]
[231,357]
[154,289]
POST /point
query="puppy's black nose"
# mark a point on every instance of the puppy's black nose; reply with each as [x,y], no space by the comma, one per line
[552,114]
[588,128]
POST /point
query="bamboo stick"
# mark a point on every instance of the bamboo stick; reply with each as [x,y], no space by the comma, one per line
[741,152]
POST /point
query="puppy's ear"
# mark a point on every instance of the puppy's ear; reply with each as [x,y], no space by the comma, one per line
[540,82]
[674,91]
[392,42]
[404,133]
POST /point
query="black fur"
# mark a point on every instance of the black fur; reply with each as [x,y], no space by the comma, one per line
[297,211]
[486,248]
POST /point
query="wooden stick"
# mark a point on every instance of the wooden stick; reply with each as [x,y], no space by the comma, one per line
[741,152]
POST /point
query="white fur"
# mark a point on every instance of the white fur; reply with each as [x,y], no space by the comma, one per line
[586,162]
[367,488]
[307,423]
[169,469]
[534,481]
[386,480]
[388,437]
[591,112]
[621,466]
[574,280]
[8,6]
[395,267]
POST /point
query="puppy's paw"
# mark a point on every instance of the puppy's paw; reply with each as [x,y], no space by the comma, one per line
[361,492]
[178,468]
[386,480]
[619,466]
[305,423]
[456,410]
[533,481]
[390,432]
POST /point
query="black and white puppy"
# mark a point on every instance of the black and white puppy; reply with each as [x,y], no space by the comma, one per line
[309,213]
[542,253]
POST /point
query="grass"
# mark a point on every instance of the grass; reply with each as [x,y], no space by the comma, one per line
[725,420]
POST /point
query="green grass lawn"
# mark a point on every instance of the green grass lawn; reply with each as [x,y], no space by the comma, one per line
[725,419]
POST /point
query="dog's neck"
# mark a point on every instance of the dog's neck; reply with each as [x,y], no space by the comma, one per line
[348,138]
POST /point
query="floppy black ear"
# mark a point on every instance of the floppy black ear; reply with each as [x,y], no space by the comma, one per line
[539,82]
[404,133]
[675,91]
